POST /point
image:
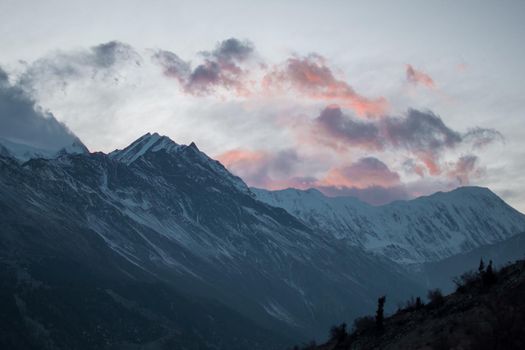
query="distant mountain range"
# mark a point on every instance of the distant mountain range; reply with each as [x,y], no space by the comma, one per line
[159,245]
[422,230]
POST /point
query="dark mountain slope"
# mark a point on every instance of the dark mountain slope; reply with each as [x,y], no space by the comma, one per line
[165,218]
[63,287]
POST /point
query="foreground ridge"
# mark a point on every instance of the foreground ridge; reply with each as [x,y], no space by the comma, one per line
[487,311]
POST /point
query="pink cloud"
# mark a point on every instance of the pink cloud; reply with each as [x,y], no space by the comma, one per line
[366,172]
[264,169]
[416,77]
[368,178]
[311,77]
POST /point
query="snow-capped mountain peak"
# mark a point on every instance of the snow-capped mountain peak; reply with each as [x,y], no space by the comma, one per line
[188,157]
[77,147]
[148,142]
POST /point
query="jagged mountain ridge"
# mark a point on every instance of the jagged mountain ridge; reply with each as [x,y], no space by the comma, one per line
[422,230]
[158,211]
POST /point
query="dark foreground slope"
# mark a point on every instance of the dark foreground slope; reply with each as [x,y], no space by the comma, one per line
[479,315]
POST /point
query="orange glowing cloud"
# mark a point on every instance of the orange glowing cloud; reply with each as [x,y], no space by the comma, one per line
[310,76]
[271,170]
[416,77]
[238,156]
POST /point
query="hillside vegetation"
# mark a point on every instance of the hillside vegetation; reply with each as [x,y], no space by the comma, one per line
[487,311]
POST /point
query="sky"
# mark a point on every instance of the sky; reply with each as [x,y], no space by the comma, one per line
[381,100]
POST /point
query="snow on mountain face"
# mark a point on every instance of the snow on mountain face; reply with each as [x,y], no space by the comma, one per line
[155,143]
[145,143]
[180,216]
[421,230]
[24,152]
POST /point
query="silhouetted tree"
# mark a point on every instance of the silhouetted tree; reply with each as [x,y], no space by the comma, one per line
[419,304]
[362,324]
[489,277]
[481,267]
[380,313]
[436,297]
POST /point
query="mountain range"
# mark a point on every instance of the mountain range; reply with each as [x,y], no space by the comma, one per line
[159,246]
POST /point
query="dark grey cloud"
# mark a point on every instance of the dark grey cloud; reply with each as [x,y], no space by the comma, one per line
[108,54]
[172,65]
[350,131]
[22,121]
[481,137]
[221,67]
[422,133]
[205,77]
[4,78]
[232,49]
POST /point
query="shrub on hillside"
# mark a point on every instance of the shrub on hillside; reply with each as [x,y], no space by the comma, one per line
[435,297]
[362,324]
[338,333]
[466,280]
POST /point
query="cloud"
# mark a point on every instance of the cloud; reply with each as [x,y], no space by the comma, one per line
[346,131]
[172,65]
[366,172]
[480,137]
[221,68]
[311,77]
[103,61]
[418,77]
[423,134]
[375,159]
[231,50]
[368,179]
[108,54]
[21,121]
[4,78]
[263,169]
[464,169]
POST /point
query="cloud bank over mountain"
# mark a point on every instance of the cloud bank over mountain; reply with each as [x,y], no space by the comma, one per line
[298,122]
[23,121]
